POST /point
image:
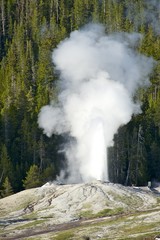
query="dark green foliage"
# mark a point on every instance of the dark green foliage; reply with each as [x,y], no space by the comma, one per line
[29,31]
[6,188]
[33,178]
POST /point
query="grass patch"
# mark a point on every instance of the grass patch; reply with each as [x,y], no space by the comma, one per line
[66,235]
[109,212]
[139,231]
[30,224]
[30,216]
[104,213]
[119,227]
[140,228]
[148,236]
[86,214]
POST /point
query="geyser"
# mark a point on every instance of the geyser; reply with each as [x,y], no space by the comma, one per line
[99,75]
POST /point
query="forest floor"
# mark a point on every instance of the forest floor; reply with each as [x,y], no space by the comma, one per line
[95,210]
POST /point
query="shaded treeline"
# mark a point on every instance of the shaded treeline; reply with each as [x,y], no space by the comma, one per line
[29,31]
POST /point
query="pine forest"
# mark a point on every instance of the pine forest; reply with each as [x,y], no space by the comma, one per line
[29,32]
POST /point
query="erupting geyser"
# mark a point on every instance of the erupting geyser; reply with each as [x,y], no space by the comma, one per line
[99,77]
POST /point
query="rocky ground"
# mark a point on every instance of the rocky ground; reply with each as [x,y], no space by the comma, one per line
[94,210]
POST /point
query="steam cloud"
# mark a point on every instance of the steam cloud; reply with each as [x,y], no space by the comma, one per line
[148,14]
[99,77]
[152,14]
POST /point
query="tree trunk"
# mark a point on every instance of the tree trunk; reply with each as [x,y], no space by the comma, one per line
[1,177]
[3,17]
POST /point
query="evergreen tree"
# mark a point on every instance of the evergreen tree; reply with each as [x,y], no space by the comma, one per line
[30,30]
[33,178]
[5,164]
[7,189]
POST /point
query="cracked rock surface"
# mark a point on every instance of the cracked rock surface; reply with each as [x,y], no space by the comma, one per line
[54,204]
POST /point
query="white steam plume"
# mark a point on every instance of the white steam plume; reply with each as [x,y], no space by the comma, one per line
[99,76]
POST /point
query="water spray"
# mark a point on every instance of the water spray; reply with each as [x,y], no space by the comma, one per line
[99,76]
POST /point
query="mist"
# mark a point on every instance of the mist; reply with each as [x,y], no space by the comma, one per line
[99,77]
[149,14]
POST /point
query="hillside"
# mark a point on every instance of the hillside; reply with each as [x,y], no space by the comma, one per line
[75,211]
